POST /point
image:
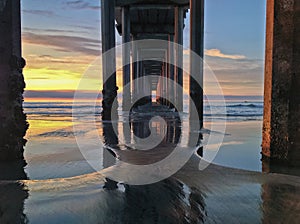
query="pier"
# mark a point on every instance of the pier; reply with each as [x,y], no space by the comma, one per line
[152,19]
[140,20]
[134,151]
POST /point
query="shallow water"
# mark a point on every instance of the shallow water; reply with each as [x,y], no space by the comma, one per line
[67,180]
[215,195]
[52,144]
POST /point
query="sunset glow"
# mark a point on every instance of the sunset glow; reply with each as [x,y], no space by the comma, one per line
[62,40]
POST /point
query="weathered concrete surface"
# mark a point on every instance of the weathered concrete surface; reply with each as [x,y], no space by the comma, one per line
[108,59]
[196,66]
[281,128]
[13,123]
[126,58]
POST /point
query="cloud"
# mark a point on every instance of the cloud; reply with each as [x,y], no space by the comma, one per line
[48,64]
[79,4]
[219,54]
[36,30]
[39,12]
[49,59]
[68,94]
[83,27]
[50,94]
[238,77]
[221,64]
[65,43]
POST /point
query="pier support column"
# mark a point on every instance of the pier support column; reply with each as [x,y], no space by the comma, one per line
[166,77]
[281,125]
[147,86]
[140,76]
[162,84]
[108,59]
[171,67]
[13,123]
[159,89]
[134,67]
[196,66]
[126,57]
[179,23]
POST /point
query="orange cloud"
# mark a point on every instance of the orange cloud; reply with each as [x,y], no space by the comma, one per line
[219,54]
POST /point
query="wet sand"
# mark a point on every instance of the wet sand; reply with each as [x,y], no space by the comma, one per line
[215,195]
[78,194]
[54,154]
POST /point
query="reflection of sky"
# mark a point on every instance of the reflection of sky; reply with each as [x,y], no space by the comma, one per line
[61,38]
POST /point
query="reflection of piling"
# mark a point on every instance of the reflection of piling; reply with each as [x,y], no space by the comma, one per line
[281,126]
[195,137]
[163,202]
[12,192]
[280,203]
[12,197]
[13,123]
[109,158]
[111,141]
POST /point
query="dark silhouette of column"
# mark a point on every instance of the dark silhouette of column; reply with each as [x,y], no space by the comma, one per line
[171,69]
[126,57]
[179,25]
[13,123]
[196,66]
[108,59]
[134,69]
[164,87]
[281,125]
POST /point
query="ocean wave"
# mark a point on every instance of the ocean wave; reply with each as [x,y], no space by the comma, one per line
[233,115]
[58,106]
[59,113]
[233,111]
[99,113]
[251,105]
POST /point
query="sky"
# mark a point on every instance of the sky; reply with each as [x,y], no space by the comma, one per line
[61,39]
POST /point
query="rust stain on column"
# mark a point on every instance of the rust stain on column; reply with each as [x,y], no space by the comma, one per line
[268,79]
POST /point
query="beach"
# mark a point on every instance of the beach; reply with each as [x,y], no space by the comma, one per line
[133,112]
[60,181]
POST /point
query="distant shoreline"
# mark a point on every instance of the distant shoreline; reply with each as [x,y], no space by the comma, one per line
[67,95]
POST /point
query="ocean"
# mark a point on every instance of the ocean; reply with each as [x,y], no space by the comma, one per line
[52,143]
[67,180]
[237,109]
